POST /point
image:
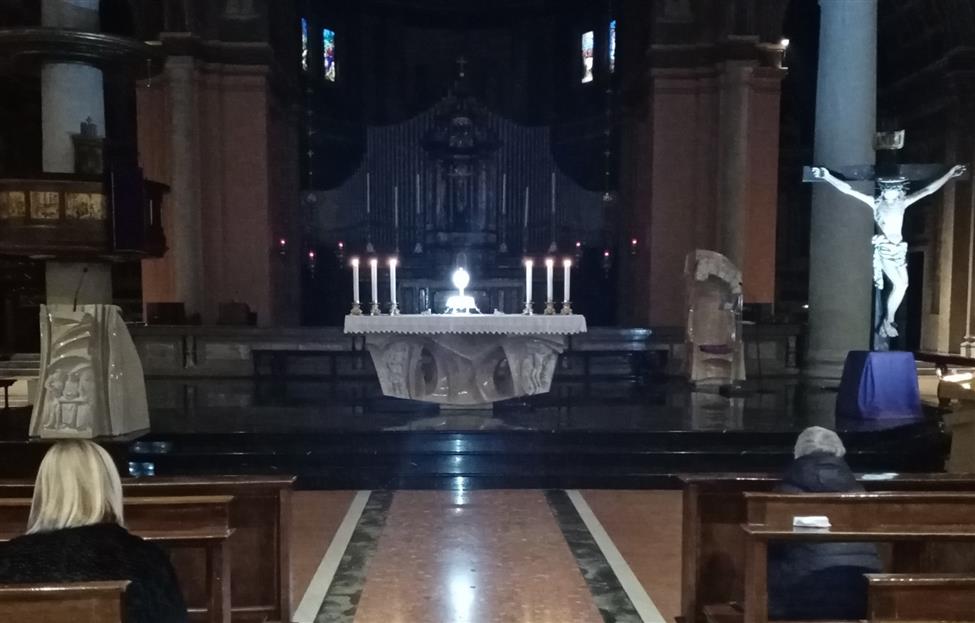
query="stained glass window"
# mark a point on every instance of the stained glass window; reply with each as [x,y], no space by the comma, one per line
[612,45]
[328,54]
[304,44]
[587,57]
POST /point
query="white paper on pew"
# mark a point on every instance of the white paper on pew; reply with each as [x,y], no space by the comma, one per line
[811,521]
[881,476]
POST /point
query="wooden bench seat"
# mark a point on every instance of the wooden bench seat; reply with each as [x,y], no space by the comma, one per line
[76,602]
[260,515]
[713,544]
[883,517]
[921,597]
[190,523]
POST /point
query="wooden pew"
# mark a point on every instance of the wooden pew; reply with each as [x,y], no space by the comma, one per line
[176,523]
[713,545]
[921,597]
[260,515]
[78,602]
[883,517]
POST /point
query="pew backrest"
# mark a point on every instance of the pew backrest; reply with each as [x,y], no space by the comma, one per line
[82,602]
[922,511]
[921,597]
[152,517]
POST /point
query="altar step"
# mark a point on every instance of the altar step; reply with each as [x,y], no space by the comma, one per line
[516,459]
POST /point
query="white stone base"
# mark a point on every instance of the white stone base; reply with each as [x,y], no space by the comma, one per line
[459,369]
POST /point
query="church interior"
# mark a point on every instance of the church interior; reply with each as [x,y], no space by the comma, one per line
[434,311]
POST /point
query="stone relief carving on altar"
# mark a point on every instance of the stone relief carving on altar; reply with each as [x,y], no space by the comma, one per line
[715,349]
[463,369]
[91,378]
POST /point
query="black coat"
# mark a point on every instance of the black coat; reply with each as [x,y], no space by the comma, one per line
[94,553]
[822,580]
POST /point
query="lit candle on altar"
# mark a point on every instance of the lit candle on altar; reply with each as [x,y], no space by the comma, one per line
[549,271]
[528,282]
[374,274]
[355,280]
[567,267]
[392,280]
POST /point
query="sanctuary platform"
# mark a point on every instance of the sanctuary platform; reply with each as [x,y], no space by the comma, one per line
[308,402]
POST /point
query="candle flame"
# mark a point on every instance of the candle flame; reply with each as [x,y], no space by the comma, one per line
[549,261]
[392,262]
[529,263]
[373,262]
[355,261]
[567,263]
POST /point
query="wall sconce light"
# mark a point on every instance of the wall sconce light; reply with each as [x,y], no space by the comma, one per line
[282,247]
[607,262]
[340,252]
[633,246]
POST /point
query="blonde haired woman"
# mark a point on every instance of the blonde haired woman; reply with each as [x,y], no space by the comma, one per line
[75,533]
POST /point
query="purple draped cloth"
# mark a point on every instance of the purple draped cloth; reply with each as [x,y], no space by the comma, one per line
[878,386]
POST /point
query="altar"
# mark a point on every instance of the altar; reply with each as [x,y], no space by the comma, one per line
[465,360]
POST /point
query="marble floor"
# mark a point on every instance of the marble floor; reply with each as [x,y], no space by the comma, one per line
[486,556]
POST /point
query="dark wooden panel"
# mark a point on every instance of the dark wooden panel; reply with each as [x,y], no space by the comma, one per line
[88,602]
[922,597]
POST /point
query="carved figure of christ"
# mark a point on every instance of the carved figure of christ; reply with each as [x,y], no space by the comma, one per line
[889,247]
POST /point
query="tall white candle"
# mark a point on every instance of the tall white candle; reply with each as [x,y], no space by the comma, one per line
[355,280]
[374,274]
[392,280]
[549,270]
[528,282]
[567,267]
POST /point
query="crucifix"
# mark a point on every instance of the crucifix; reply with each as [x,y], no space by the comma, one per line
[892,182]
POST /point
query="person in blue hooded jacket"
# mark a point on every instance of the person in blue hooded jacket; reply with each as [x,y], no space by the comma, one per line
[819,580]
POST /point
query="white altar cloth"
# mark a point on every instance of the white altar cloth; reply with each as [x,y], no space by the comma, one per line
[495,324]
[465,360]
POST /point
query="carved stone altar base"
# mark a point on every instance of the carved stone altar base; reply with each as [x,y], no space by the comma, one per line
[91,382]
[465,360]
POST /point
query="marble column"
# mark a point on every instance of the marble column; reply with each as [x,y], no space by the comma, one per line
[185,241]
[71,93]
[840,253]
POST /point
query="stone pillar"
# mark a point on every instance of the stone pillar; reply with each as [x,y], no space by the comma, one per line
[748,171]
[184,204]
[70,92]
[70,282]
[840,253]
[733,160]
